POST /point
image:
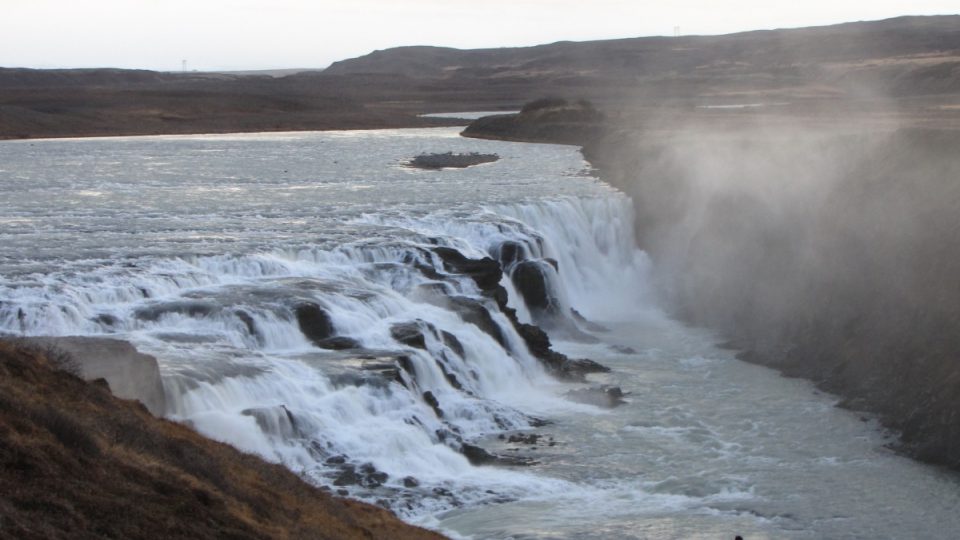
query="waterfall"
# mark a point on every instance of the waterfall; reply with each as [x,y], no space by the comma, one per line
[373,366]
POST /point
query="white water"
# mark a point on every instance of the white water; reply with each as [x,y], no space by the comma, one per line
[198,249]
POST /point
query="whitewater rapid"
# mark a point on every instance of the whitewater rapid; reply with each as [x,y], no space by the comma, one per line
[312,300]
[222,309]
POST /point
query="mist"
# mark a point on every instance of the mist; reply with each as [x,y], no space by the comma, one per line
[829,249]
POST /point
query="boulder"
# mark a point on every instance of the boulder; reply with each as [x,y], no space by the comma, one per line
[314,322]
[532,281]
[410,334]
[509,253]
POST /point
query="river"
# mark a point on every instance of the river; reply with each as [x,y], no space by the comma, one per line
[204,251]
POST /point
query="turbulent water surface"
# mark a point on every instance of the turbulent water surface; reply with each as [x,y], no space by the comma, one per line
[222,255]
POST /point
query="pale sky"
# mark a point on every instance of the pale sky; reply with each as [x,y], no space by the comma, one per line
[261,34]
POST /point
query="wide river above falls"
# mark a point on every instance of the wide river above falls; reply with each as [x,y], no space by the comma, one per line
[216,253]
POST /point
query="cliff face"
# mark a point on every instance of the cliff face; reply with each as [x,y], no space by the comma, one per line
[826,254]
[76,462]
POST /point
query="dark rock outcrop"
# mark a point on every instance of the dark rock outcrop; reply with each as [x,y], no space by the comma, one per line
[450,160]
[474,312]
[485,272]
[190,308]
[533,281]
[479,456]
[314,322]
[411,333]
[338,343]
[434,404]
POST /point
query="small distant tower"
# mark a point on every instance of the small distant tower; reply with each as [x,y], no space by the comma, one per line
[676,31]
[183,65]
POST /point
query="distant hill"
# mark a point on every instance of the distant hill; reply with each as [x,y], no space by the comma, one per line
[762,49]
[886,52]
[906,58]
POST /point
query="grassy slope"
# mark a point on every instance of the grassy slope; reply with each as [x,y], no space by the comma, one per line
[76,462]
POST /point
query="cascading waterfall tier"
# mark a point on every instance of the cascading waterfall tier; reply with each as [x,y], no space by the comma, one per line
[369,367]
[369,346]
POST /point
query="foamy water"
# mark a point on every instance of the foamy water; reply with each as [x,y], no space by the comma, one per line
[199,249]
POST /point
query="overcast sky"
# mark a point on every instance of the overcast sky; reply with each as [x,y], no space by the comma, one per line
[258,34]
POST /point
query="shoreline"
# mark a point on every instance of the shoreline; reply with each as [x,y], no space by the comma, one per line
[417,123]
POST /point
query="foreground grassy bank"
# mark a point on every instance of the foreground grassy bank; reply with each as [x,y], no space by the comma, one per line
[826,247]
[76,462]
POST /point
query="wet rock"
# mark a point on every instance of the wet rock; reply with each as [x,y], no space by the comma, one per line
[474,312]
[434,404]
[520,438]
[371,477]
[604,396]
[538,342]
[531,279]
[190,308]
[336,460]
[478,456]
[436,288]
[247,321]
[338,343]
[314,322]
[106,319]
[509,253]
[410,334]
[347,477]
[485,272]
[451,341]
[538,422]
[405,363]
[410,482]
[559,365]
[449,375]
